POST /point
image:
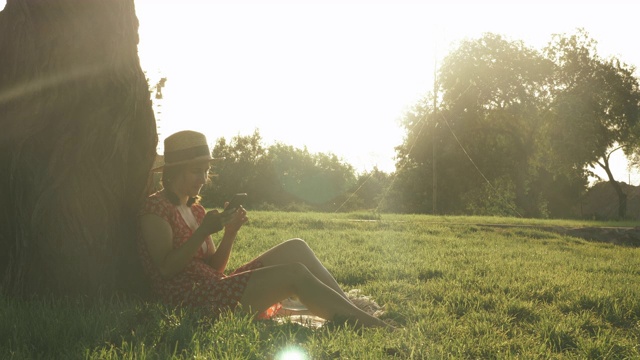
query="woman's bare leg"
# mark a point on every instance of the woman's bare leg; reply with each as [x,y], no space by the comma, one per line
[271,284]
[297,251]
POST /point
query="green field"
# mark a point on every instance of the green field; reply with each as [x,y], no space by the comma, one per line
[457,288]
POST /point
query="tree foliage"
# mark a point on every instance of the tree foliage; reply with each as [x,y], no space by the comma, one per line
[513,125]
[279,176]
[596,106]
[314,179]
[489,122]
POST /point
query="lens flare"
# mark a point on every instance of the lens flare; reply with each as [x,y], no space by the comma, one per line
[291,353]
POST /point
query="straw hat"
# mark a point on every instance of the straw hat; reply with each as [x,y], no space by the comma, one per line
[183,147]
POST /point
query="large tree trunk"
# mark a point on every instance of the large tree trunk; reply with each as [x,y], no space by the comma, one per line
[77,138]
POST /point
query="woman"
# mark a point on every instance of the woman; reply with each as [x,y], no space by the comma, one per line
[186,268]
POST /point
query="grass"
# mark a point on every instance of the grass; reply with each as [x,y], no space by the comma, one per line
[457,288]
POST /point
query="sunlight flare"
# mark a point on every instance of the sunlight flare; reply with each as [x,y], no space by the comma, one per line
[292,353]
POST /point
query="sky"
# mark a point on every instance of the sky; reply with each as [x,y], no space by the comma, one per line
[337,75]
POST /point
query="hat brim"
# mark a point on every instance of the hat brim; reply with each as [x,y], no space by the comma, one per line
[159,165]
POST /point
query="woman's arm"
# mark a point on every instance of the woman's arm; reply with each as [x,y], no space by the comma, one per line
[220,257]
[158,237]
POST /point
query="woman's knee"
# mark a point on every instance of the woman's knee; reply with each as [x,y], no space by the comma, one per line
[290,251]
[297,245]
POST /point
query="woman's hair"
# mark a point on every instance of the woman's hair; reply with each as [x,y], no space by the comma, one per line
[169,174]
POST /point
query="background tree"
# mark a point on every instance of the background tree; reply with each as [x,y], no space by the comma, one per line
[317,180]
[78,139]
[412,190]
[596,107]
[278,177]
[371,188]
[494,95]
[244,167]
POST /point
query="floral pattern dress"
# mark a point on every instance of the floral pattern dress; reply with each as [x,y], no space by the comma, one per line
[198,285]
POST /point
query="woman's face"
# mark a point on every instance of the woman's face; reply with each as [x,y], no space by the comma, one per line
[190,180]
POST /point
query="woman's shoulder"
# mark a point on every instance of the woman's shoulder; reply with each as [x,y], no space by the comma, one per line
[157,198]
[157,204]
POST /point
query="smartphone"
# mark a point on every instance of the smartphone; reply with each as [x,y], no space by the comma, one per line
[236,201]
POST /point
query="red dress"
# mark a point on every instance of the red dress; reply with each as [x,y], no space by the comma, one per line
[198,285]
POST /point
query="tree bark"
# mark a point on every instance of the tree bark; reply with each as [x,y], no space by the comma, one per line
[622,197]
[78,139]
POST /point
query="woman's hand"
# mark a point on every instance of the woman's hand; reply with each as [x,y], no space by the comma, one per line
[212,222]
[238,219]
[232,221]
